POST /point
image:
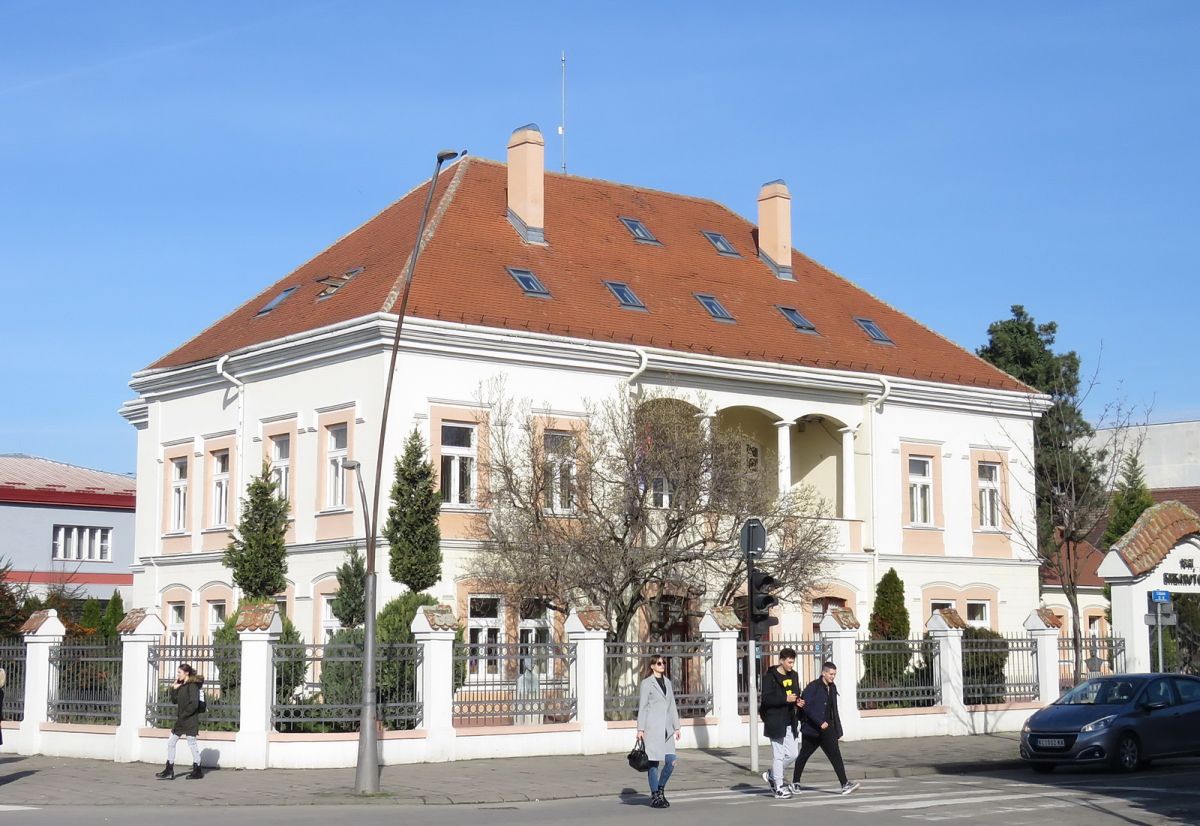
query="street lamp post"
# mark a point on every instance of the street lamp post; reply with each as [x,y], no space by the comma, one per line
[366,775]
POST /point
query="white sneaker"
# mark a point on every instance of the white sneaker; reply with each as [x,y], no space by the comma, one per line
[849,787]
[783,792]
[766,776]
[795,788]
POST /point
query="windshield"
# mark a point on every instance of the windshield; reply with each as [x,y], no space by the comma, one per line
[1099,693]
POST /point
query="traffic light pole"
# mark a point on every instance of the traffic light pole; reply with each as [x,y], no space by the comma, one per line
[752,665]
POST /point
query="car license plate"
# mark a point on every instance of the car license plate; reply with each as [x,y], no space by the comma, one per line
[1051,742]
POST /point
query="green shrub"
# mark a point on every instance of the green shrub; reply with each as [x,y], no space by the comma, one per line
[983,671]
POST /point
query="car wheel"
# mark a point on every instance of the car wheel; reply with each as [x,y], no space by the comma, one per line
[1128,756]
[1043,768]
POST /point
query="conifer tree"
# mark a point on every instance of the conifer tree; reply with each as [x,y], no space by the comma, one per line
[889,616]
[114,612]
[412,525]
[90,619]
[257,556]
[350,604]
[1129,499]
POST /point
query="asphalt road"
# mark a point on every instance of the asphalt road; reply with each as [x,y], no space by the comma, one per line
[1162,795]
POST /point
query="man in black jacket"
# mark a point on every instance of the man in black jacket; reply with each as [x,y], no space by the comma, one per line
[778,709]
[821,727]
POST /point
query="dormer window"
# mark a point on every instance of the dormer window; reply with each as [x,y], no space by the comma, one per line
[798,320]
[721,244]
[529,282]
[873,330]
[333,283]
[714,307]
[639,231]
[625,295]
[275,302]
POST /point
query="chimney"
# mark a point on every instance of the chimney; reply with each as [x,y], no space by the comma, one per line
[526,177]
[775,227]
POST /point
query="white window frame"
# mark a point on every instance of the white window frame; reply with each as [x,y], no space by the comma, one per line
[80,543]
[281,463]
[661,491]
[534,631]
[220,488]
[989,497]
[986,622]
[335,493]
[920,508]
[559,471]
[176,628]
[215,607]
[179,494]
[483,633]
[330,624]
[938,604]
[454,458]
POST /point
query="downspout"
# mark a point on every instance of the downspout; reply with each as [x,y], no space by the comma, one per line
[885,390]
[241,393]
[643,362]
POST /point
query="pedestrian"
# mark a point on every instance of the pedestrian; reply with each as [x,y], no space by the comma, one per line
[3,682]
[778,709]
[185,693]
[658,728]
[821,727]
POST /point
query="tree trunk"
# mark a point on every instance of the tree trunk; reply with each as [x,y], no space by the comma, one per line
[1076,633]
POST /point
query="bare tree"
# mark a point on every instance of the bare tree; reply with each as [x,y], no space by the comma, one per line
[636,498]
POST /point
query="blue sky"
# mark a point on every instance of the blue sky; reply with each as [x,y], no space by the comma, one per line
[161,162]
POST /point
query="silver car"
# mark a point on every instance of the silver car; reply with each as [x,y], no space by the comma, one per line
[1124,720]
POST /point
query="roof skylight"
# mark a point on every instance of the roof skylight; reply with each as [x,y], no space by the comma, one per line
[529,282]
[721,244]
[625,295]
[639,231]
[275,302]
[714,307]
[874,330]
[333,283]
[798,320]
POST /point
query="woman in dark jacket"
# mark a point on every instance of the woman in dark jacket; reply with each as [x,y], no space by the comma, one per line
[185,693]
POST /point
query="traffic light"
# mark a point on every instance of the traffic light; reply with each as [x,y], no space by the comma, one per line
[761,600]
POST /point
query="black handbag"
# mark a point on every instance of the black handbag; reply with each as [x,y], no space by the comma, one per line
[638,761]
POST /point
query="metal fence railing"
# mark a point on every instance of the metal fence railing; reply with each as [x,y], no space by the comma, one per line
[898,674]
[220,664]
[1001,670]
[85,682]
[513,684]
[809,656]
[1098,656]
[689,667]
[12,660]
[318,688]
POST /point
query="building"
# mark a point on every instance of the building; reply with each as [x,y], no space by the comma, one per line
[66,525]
[569,287]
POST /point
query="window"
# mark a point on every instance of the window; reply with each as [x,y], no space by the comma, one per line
[1093,626]
[179,488]
[529,282]
[662,489]
[337,436]
[820,607]
[281,461]
[798,320]
[1160,692]
[639,231]
[559,472]
[534,637]
[1188,688]
[714,307]
[989,495]
[920,490]
[275,302]
[220,488]
[176,629]
[752,453]
[457,478]
[334,283]
[625,295]
[330,624]
[281,606]
[721,244]
[216,617]
[80,543]
[483,636]
[979,613]
[936,605]
[874,330]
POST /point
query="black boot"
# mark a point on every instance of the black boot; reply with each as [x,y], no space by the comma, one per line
[168,772]
[657,801]
[662,795]
[195,773]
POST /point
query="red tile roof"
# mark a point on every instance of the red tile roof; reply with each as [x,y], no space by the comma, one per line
[1154,534]
[1087,562]
[44,481]
[462,277]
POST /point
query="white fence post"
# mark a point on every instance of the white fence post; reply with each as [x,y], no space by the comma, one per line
[587,628]
[946,628]
[43,630]
[840,627]
[433,627]
[720,627]
[1044,626]
[139,630]
[258,628]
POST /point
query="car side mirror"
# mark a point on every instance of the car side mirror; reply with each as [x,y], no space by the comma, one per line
[1154,705]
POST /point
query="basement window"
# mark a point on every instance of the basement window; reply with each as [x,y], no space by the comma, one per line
[873,330]
[714,307]
[639,231]
[798,320]
[721,244]
[333,283]
[275,302]
[529,282]
[625,295]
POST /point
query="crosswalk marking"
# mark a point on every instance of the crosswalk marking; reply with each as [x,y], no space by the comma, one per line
[17,808]
[961,801]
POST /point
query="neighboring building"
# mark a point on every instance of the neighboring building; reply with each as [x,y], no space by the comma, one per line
[66,525]
[569,287]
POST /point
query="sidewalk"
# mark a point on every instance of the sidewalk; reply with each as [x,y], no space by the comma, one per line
[49,781]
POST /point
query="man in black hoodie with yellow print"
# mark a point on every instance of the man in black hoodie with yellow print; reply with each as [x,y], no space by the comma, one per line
[778,709]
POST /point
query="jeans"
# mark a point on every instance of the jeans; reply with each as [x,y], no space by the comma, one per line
[659,780]
[173,741]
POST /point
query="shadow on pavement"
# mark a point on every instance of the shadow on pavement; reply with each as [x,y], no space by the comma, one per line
[11,778]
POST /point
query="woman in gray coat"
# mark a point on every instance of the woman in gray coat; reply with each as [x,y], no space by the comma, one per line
[658,728]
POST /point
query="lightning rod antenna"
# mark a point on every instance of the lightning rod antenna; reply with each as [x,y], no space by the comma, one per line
[562,127]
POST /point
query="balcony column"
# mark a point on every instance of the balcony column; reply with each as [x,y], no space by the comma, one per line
[784,429]
[849,511]
[708,424]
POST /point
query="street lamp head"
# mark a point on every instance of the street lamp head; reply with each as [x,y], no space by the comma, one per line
[351,464]
[449,155]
